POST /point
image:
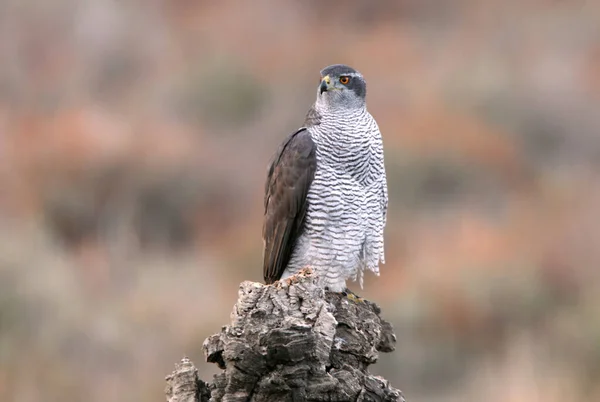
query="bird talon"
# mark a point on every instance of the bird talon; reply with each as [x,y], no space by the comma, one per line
[355,298]
[306,271]
[350,295]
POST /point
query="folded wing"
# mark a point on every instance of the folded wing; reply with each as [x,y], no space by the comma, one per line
[289,177]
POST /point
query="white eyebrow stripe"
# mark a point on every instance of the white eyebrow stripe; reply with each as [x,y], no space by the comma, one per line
[352,75]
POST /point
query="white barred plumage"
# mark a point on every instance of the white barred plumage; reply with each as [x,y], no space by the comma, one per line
[340,208]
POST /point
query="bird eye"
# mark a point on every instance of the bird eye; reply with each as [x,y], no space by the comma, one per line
[344,79]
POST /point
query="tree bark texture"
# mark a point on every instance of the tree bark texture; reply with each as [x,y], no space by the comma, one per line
[292,341]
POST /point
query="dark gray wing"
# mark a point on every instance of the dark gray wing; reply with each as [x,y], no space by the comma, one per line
[289,177]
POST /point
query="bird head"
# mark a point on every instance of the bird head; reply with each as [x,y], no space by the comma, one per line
[341,86]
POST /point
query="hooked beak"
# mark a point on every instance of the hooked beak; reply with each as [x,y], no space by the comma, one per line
[325,84]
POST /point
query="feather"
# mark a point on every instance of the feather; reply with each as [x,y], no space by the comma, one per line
[289,177]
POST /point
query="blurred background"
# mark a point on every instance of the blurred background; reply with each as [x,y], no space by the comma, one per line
[134,140]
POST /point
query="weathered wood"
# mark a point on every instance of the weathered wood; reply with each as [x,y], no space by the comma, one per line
[292,341]
[183,385]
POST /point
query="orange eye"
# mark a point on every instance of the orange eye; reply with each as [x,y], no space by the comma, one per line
[344,79]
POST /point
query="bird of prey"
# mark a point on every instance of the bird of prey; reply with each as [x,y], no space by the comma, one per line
[326,191]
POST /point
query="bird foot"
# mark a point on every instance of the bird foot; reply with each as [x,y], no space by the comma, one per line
[350,295]
[303,273]
[306,271]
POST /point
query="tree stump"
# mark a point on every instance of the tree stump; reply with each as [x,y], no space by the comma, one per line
[292,341]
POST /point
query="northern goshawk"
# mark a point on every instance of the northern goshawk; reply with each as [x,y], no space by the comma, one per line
[326,191]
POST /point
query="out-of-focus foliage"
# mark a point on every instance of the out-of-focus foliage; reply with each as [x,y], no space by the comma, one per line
[134,140]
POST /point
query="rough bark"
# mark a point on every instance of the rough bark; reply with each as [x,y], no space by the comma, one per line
[292,341]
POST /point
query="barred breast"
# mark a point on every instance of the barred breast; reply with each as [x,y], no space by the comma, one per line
[347,202]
